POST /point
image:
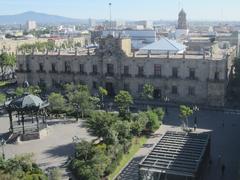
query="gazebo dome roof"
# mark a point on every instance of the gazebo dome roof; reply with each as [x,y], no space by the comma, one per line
[27,101]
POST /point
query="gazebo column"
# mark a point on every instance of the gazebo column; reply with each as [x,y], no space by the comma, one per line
[32,117]
[23,123]
[37,121]
[11,120]
[18,115]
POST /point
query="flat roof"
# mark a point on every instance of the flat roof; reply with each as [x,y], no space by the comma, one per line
[177,153]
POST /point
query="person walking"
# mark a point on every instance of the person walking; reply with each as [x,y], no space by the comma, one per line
[195,127]
[223,169]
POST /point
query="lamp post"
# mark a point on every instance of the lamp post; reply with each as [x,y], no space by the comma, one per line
[166,100]
[3,142]
[195,109]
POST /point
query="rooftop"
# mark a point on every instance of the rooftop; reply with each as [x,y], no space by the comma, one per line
[177,153]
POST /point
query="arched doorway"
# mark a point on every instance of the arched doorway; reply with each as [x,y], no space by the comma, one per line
[157,93]
[110,88]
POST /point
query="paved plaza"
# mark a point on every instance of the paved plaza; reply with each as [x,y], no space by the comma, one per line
[52,150]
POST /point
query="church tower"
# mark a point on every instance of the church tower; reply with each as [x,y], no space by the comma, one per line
[182,20]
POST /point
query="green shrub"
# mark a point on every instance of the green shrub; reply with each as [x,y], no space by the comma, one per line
[153,123]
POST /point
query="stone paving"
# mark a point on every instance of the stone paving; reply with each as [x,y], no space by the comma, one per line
[224,128]
[52,150]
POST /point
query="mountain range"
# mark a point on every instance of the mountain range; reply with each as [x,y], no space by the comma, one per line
[40,18]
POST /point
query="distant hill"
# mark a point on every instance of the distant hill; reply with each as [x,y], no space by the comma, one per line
[40,18]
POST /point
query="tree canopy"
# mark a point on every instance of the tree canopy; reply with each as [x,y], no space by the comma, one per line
[123,100]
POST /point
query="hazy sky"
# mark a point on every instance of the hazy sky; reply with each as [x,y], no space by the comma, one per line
[128,9]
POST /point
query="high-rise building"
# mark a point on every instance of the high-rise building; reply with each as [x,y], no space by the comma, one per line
[31,25]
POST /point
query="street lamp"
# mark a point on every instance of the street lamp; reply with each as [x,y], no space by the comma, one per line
[166,99]
[3,143]
[195,109]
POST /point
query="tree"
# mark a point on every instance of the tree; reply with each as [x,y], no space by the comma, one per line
[54,174]
[153,123]
[185,112]
[160,113]
[79,98]
[102,92]
[20,167]
[19,91]
[89,161]
[139,123]
[102,125]
[123,100]
[2,98]
[6,60]
[57,102]
[148,91]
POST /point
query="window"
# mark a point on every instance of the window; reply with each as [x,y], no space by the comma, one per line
[216,76]
[67,67]
[94,85]
[28,67]
[126,70]
[81,68]
[41,67]
[157,70]
[175,72]
[191,91]
[174,90]
[94,69]
[110,69]
[53,67]
[140,71]
[192,73]
[20,67]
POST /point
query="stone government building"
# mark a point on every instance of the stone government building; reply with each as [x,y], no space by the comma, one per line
[183,78]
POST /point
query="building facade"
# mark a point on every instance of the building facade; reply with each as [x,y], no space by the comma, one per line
[182,78]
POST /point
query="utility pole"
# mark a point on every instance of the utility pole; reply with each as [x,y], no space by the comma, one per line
[110,16]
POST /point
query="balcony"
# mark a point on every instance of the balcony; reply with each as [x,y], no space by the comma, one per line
[41,71]
[94,73]
[156,76]
[109,74]
[192,78]
[126,75]
[53,72]
[216,80]
[23,71]
[81,73]
[140,76]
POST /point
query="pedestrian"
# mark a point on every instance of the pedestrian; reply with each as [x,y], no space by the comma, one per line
[223,169]
[195,127]
[219,158]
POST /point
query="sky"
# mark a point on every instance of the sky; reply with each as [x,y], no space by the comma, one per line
[225,10]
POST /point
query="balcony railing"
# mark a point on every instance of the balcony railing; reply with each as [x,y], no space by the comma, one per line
[140,76]
[41,71]
[109,74]
[127,75]
[23,71]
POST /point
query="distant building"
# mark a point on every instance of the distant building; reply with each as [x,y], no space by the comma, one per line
[182,20]
[182,30]
[91,22]
[145,24]
[31,25]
